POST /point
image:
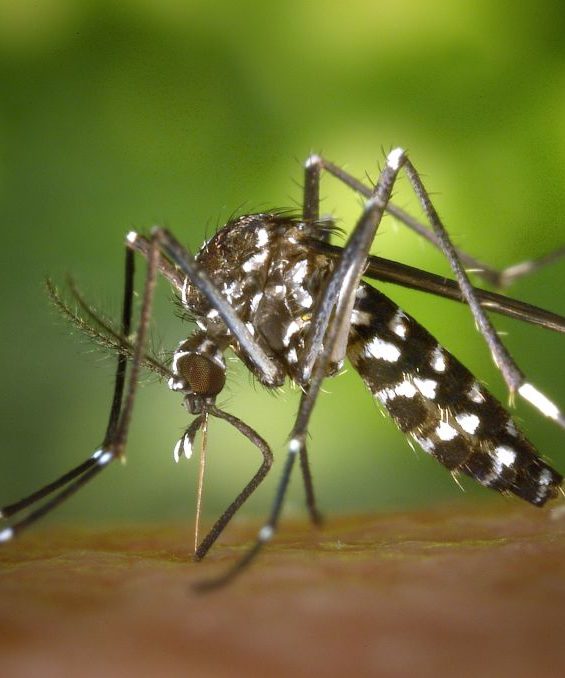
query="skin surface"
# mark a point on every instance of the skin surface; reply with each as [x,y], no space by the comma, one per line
[471,591]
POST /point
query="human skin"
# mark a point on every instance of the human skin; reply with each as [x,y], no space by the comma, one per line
[458,590]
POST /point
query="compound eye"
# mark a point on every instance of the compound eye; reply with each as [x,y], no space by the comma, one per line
[204,377]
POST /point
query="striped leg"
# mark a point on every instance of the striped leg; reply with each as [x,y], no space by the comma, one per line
[120,412]
[513,376]
[498,278]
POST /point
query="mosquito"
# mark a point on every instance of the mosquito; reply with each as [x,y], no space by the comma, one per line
[272,288]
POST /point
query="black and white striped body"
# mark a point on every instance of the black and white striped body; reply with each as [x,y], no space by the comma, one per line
[264,268]
[434,399]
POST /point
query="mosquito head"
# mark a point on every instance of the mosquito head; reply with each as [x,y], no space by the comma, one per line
[201,374]
[199,371]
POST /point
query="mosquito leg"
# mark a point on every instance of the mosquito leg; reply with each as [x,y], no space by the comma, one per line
[121,369]
[141,244]
[509,275]
[497,278]
[12,509]
[311,213]
[311,202]
[265,535]
[339,293]
[313,511]
[248,490]
[512,375]
[93,470]
[116,435]
[387,270]
[407,219]
[187,439]
[81,474]
[407,276]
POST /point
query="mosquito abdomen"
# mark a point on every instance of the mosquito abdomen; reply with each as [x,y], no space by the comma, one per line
[435,400]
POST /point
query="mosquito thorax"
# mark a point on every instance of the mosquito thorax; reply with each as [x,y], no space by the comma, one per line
[265,268]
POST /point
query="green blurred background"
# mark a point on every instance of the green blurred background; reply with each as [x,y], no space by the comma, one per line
[115,116]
